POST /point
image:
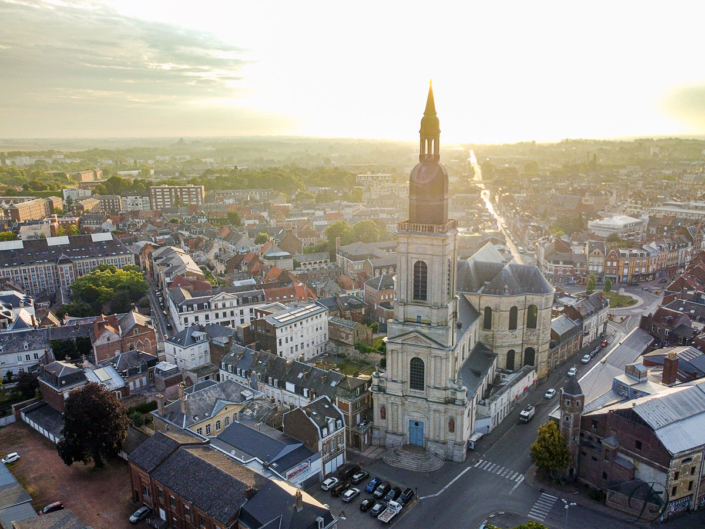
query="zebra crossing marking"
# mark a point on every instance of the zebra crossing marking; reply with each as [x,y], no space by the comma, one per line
[542,507]
[503,472]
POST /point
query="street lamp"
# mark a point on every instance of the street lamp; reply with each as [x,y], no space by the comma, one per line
[567,506]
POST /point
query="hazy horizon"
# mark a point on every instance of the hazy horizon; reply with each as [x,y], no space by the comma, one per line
[128,69]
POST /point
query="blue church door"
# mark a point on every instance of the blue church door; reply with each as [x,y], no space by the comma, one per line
[416,433]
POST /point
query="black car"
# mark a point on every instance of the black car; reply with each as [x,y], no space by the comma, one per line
[663,281]
[393,494]
[347,471]
[382,489]
[340,488]
[366,505]
[359,477]
[406,496]
[377,508]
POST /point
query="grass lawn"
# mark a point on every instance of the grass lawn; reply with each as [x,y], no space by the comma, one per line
[349,367]
[618,301]
[377,342]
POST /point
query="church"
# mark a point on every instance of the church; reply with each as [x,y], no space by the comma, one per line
[455,322]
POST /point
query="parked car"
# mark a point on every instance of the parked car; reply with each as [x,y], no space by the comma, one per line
[359,477]
[633,283]
[550,394]
[329,483]
[382,489]
[366,505]
[11,458]
[586,358]
[140,514]
[663,281]
[377,508]
[570,282]
[340,488]
[56,506]
[604,343]
[406,496]
[347,471]
[350,494]
[372,485]
[572,371]
[393,494]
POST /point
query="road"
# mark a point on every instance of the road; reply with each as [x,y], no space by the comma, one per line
[518,257]
[158,317]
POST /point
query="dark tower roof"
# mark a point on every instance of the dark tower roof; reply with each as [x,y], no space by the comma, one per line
[428,185]
[573,388]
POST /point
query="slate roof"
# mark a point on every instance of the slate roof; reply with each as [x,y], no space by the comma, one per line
[35,339]
[203,403]
[132,362]
[274,506]
[50,250]
[475,368]
[381,282]
[321,410]
[210,480]
[154,451]
[186,337]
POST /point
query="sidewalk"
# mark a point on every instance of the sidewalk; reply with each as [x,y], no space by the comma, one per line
[576,493]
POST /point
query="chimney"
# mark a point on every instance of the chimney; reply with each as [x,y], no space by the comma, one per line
[684,293]
[160,403]
[182,398]
[299,501]
[670,369]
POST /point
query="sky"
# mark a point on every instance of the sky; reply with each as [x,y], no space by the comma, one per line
[502,71]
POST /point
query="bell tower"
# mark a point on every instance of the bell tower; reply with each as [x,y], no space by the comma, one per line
[571,406]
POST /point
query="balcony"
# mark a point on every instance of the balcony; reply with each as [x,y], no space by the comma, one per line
[427,228]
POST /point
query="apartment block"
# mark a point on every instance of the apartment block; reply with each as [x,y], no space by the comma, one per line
[36,209]
[161,197]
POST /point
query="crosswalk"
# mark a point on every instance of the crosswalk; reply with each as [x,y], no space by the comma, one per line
[542,507]
[501,471]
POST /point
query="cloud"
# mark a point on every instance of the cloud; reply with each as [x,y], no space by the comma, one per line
[65,63]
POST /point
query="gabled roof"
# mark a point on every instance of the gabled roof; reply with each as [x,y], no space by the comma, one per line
[159,446]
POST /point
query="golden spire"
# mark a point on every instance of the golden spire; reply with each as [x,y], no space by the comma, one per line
[430,103]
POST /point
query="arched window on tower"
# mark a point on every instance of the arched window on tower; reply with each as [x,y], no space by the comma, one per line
[532,316]
[451,425]
[487,324]
[513,316]
[383,413]
[416,374]
[510,359]
[529,356]
[420,280]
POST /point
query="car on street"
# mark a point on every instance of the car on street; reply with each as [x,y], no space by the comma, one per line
[377,508]
[56,506]
[569,283]
[406,496]
[359,477]
[663,281]
[350,494]
[382,489]
[393,494]
[586,358]
[604,343]
[521,249]
[527,413]
[633,283]
[340,488]
[572,371]
[140,514]
[347,471]
[550,394]
[372,485]
[329,483]
[366,505]
[11,458]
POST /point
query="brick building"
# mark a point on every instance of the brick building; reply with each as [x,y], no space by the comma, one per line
[161,197]
[115,334]
[349,332]
[109,204]
[36,209]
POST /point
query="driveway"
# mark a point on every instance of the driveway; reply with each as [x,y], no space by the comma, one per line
[99,497]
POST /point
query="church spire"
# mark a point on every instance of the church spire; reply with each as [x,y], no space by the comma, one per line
[430,131]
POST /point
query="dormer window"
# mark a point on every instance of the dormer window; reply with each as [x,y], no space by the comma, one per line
[26,346]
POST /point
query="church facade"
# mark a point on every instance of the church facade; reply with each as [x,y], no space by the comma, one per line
[440,360]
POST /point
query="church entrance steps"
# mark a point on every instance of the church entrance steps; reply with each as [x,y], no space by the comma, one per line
[414,458]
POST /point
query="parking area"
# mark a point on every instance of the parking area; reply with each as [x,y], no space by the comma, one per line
[350,514]
[99,497]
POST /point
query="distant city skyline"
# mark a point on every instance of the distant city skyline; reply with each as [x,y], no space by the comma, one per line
[502,73]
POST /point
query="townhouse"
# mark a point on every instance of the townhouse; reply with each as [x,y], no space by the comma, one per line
[300,330]
[230,306]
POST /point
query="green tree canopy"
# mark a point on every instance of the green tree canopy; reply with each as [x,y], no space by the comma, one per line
[527,525]
[591,283]
[262,237]
[7,236]
[550,451]
[338,229]
[234,218]
[366,231]
[108,285]
[95,426]
[608,285]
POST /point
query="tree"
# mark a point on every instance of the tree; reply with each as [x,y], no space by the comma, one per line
[73,229]
[608,285]
[613,237]
[550,451]
[7,236]
[234,218]
[27,385]
[338,229]
[60,232]
[527,525]
[591,283]
[95,426]
[366,231]
[174,220]
[262,237]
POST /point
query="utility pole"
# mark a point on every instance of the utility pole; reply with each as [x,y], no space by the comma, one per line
[567,506]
